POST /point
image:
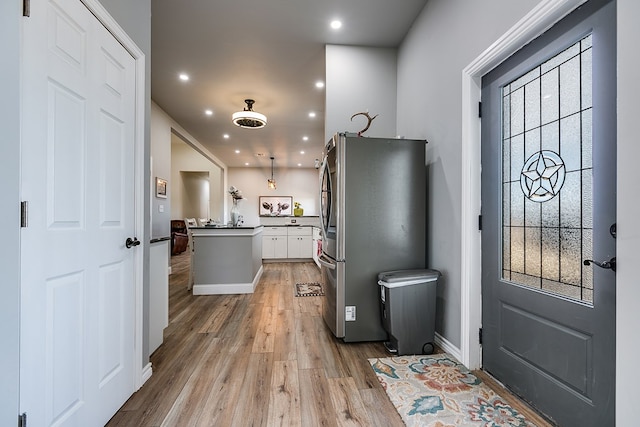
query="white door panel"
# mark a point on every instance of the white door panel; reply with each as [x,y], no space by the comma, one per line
[78,290]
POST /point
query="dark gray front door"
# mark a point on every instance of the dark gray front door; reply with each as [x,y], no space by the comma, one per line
[548,204]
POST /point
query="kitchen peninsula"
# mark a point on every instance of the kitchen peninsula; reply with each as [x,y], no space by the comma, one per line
[226,260]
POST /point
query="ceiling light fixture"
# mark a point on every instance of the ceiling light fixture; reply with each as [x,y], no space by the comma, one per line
[336,25]
[271,183]
[248,118]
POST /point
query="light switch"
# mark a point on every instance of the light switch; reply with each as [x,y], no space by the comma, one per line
[160,208]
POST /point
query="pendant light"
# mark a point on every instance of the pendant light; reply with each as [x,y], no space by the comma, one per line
[271,183]
[248,118]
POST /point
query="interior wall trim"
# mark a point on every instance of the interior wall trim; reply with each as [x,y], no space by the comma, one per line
[537,21]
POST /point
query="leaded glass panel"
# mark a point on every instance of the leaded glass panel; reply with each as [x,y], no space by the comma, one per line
[547,179]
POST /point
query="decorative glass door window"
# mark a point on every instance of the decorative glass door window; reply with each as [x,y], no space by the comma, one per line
[546,177]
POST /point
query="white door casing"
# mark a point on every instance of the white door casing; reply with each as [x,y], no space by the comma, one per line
[81,168]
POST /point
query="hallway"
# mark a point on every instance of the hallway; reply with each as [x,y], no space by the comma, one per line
[258,359]
[261,359]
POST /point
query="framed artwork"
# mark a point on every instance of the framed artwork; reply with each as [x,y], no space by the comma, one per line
[161,188]
[275,205]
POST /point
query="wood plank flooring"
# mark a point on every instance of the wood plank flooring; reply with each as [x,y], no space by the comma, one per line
[262,359]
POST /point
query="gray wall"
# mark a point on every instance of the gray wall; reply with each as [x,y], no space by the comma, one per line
[444,39]
[360,79]
[10,17]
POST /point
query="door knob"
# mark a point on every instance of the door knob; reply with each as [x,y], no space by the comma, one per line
[131,242]
[609,265]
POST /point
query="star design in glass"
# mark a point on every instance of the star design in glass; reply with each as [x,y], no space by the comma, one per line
[542,176]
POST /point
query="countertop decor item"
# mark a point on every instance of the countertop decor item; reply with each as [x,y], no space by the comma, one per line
[297,209]
[234,214]
[248,118]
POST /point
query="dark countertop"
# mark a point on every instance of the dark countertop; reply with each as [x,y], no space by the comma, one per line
[160,239]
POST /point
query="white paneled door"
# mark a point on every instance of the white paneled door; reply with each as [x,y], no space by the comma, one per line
[78,293]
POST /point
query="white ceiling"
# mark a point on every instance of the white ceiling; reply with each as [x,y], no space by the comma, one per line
[271,51]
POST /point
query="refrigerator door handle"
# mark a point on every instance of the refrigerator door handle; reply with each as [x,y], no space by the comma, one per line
[326,262]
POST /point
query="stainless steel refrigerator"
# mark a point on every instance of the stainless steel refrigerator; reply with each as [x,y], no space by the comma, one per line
[373,219]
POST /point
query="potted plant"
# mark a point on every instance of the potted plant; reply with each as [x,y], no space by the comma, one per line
[297,209]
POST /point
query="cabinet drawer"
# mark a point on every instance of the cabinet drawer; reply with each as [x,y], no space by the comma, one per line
[299,231]
[274,231]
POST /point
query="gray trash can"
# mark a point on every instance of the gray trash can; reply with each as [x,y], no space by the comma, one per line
[408,307]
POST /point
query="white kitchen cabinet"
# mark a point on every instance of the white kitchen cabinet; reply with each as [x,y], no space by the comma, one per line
[316,245]
[274,243]
[299,242]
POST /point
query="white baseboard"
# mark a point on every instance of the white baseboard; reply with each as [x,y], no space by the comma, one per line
[448,347]
[228,288]
[147,371]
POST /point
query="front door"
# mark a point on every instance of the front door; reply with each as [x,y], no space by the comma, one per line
[78,293]
[548,208]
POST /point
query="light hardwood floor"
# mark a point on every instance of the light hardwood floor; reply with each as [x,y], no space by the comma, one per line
[263,359]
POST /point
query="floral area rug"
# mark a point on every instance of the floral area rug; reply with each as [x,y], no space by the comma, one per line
[437,391]
[309,289]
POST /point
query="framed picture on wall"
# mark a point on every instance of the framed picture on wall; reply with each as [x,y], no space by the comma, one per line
[161,188]
[275,205]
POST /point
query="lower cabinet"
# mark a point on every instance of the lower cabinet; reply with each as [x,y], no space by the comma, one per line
[287,242]
[274,243]
[299,242]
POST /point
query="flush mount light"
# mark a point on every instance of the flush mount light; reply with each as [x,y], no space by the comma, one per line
[208,112]
[336,25]
[312,114]
[184,77]
[319,84]
[271,183]
[248,118]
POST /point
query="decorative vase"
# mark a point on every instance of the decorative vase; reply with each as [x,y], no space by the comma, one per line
[234,213]
[298,211]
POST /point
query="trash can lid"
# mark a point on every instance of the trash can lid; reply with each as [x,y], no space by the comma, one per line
[407,277]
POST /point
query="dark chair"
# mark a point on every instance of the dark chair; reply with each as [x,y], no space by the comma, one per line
[179,237]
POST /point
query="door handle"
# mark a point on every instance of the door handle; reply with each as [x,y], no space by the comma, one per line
[608,265]
[131,242]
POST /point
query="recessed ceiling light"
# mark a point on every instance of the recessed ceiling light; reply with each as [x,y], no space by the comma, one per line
[237,151]
[305,138]
[225,136]
[312,114]
[246,164]
[299,164]
[319,84]
[302,152]
[335,24]
[184,77]
[208,112]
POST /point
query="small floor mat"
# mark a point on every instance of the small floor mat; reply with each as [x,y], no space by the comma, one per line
[438,391]
[309,289]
